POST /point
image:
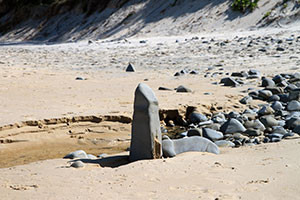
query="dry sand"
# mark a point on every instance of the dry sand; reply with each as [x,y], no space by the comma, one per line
[38,82]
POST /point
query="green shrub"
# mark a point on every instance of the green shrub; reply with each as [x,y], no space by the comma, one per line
[243,5]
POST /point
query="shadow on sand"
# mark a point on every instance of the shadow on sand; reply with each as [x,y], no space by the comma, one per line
[111,161]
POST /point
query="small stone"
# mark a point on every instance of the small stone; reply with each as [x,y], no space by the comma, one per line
[253,132]
[182,88]
[224,143]
[164,88]
[277,106]
[130,68]
[293,106]
[275,90]
[265,94]
[246,100]
[229,82]
[266,110]
[294,94]
[278,78]
[279,49]
[232,126]
[255,124]
[293,122]
[77,164]
[268,121]
[212,134]
[79,78]
[76,154]
[279,129]
[196,118]
[297,129]
[274,98]
[266,82]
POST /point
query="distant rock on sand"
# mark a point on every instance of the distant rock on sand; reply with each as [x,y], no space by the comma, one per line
[146,133]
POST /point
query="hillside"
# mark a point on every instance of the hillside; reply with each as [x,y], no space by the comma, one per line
[74,20]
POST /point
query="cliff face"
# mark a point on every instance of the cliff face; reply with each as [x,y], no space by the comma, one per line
[73,20]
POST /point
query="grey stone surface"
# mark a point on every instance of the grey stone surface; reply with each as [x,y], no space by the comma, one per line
[293,106]
[255,124]
[274,98]
[224,143]
[77,164]
[196,143]
[294,94]
[269,121]
[77,154]
[279,129]
[212,134]
[277,106]
[146,134]
[232,126]
[293,122]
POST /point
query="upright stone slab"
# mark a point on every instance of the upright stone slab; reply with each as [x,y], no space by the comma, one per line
[145,133]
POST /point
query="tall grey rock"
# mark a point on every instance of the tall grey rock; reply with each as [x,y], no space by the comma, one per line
[145,133]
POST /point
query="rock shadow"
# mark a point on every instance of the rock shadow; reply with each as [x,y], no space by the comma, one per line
[111,161]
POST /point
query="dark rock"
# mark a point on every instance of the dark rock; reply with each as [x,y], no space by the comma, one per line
[212,134]
[275,90]
[146,134]
[228,81]
[194,132]
[232,126]
[265,94]
[233,114]
[194,72]
[294,94]
[284,98]
[164,88]
[177,74]
[214,126]
[266,140]
[255,124]
[293,106]
[76,154]
[293,122]
[287,135]
[266,110]
[279,129]
[277,106]
[297,129]
[79,78]
[266,82]
[274,98]
[269,121]
[173,147]
[279,49]
[130,68]
[77,164]
[253,132]
[246,100]
[196,118]
[240,74]
[224,143]
[182,88]
[290,87]
[278,78]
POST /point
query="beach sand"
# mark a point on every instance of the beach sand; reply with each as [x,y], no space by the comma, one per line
[47,113]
